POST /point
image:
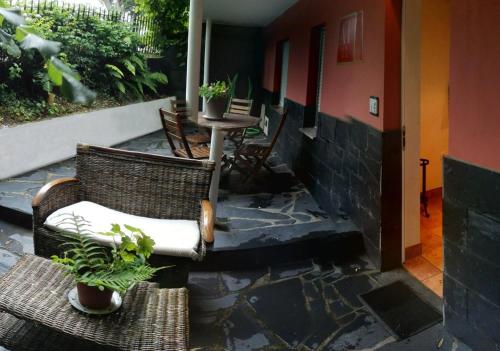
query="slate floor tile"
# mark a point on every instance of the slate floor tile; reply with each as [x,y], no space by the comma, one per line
[7,260]
[362,333]
[205,284]
[290,269]
[243,332]
[323,323]
[238,280]
[279,302]
[339,308]
[349,288]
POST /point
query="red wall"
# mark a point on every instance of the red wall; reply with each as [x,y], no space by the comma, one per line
[475,82]
[347,87]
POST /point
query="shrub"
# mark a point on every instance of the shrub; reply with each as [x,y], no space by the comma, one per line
[91,46]
[89,43]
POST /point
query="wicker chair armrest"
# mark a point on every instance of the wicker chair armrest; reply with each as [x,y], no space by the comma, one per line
[53,196]
[207,221]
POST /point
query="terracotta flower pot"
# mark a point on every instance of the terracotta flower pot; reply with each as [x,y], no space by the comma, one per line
[216,107]
[92,297]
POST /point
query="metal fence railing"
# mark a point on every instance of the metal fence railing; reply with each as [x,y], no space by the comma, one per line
[144,26]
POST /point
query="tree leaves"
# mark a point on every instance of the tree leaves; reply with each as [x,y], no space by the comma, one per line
[75,91]
[55,70]
[13,16]
[8,44]
[115,71]
[59,73]
[134,76]
[47,48]
[128,65]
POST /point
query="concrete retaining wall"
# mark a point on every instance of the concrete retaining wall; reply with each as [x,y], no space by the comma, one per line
[33,145]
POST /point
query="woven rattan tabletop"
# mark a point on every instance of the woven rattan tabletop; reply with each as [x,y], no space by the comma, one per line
[36,290]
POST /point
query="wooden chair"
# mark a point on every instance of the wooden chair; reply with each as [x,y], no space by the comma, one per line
[135,183]
[250,158]
[240,107]
[181,108]
[187,146]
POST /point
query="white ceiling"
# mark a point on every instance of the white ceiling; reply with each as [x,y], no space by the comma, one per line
[258,13]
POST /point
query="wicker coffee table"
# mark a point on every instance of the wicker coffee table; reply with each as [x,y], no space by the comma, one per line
[35,311]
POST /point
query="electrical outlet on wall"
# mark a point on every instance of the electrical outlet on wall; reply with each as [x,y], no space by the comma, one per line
[262,116]
[266,125]
[374,102]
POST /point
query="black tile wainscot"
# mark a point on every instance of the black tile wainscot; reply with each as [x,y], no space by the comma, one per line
[342,168]
[471,232]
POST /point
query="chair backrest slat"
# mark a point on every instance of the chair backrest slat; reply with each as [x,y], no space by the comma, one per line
[180,107]
[240,106]
[143,184]
[174,129]
[278,131]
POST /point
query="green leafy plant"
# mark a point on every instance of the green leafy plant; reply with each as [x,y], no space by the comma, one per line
[132,76]
[172,18]
[232,84]
[16,36]
[214,90]
[117,269]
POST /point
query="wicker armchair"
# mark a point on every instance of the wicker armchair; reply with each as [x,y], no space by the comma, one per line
[135,183]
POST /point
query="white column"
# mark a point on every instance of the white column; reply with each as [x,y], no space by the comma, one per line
[194,56]
[206,66]
[216,148]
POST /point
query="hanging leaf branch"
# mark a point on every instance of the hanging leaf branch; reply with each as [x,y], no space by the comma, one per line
[24,37]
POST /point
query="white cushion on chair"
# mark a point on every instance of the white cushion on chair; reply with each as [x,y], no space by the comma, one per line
[172,237]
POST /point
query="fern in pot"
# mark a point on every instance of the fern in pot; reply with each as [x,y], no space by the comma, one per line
[99,271]
[216,94]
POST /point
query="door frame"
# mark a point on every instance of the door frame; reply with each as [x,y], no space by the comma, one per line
[410,121]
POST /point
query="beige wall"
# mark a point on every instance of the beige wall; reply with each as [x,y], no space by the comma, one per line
[434,86]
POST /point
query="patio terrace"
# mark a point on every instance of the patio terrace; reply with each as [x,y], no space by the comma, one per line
[276,210]
[275,303]
[304,305]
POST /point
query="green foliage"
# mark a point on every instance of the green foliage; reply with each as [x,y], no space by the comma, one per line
[89,43]
[232,83]
[91,264]
[132,76]
[16,35]
[172,19]
[214,90]
[91,46]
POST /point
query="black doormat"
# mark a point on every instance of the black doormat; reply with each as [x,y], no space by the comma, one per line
[401,310]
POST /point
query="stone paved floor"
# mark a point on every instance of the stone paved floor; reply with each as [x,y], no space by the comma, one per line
[276,208]
[297,306]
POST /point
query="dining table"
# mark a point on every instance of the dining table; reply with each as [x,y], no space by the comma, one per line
[219,128]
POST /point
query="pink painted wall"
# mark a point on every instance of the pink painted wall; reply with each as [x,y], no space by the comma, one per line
[346,87]
[475,82]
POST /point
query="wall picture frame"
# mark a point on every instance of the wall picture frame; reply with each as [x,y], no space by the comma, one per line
[350,40]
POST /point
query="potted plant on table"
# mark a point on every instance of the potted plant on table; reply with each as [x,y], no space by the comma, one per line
[216,94]
[99,271]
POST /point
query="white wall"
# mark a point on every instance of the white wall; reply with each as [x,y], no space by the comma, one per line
[33,145]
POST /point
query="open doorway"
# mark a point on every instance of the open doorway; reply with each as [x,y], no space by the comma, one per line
[426,46]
